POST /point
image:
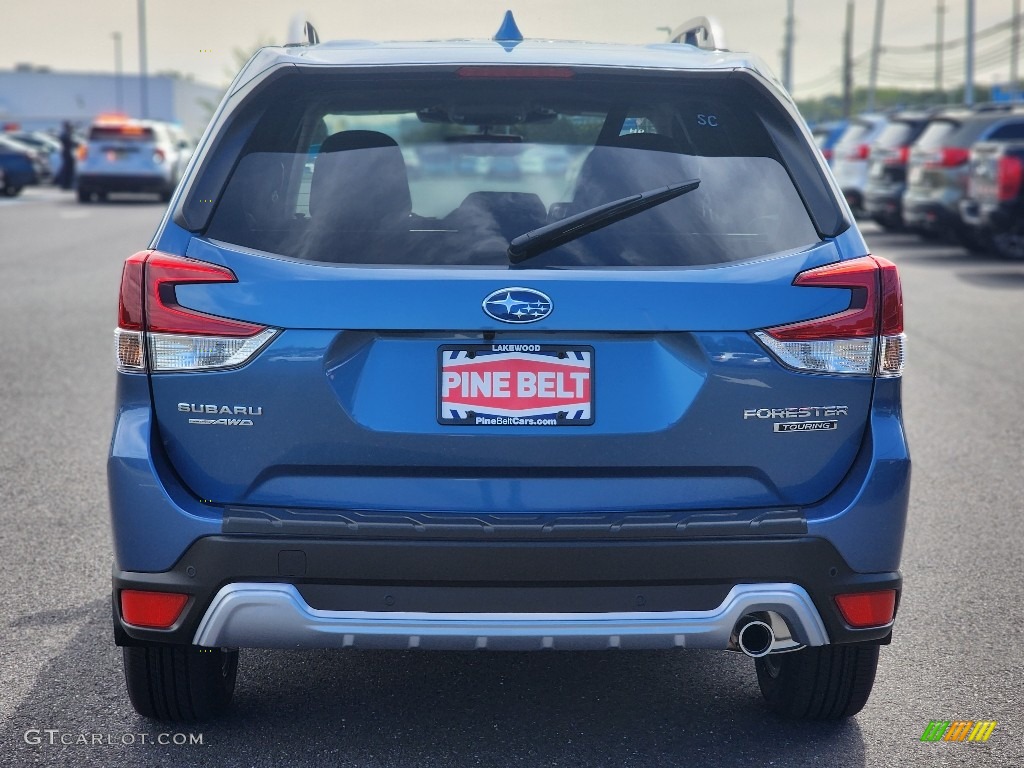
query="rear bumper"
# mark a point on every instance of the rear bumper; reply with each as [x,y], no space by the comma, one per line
[97,182]
[991,217]
[287,592]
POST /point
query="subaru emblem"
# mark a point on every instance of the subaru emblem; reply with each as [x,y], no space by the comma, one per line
[517,305]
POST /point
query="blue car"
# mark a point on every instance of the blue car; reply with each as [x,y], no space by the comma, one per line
[650,401]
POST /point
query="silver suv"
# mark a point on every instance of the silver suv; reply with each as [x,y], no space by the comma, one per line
[127,155]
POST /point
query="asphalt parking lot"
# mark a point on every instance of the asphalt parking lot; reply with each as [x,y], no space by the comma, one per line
[957,653]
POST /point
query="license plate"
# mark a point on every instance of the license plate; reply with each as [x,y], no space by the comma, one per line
[515,385]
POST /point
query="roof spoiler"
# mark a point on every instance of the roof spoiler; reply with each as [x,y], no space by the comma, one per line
[301,32]
[701,32]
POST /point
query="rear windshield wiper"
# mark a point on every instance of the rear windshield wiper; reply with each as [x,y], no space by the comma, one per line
[536,241]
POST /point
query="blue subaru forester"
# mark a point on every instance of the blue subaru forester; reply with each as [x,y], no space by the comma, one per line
[507,344]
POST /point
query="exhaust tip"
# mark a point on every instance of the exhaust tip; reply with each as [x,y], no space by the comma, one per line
[755,637]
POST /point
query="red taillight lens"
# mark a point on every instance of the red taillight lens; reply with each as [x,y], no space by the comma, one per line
[154,610]
[891,297]
[1010,174]
[129,305]
[951,157]
[859,320]
[861,152]
[868,609]
[165,315]
[897,156]
[827,154]
[158,155]
[866,338]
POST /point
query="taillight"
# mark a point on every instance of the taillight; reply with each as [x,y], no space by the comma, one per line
[898,156]
[866,338]
[827,154]
[1010,175]
[860,152]
[158,156]
[156,333]
[155,610]
[948,157]
[83,152]
[868,609]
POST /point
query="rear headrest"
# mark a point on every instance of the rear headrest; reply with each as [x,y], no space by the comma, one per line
[627,166]
[360,177]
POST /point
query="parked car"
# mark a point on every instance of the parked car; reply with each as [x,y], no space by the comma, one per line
[995,194]
[851,154]
[654,403]
[128,155]
[939,167]
[887,167]
[22,166]
[827,135]
[44,143]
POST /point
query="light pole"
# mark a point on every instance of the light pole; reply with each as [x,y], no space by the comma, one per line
[143,74]
[969,64]
[117,71]
[876,50]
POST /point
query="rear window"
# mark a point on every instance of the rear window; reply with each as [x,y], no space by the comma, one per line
[857,133]
[971,130]
[442,170]
[935,135]
[898,133]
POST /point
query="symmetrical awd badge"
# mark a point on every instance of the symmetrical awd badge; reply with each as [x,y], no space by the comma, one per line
[517,305]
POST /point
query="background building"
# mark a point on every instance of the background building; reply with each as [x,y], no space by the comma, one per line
[37,98]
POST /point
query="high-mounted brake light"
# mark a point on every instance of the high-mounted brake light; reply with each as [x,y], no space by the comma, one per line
[522,73]
[866,338]
[154,332]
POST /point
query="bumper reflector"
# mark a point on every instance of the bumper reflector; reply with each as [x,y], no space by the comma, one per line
[155,610]
[868,609]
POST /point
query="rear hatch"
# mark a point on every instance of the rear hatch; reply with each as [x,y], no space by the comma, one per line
[121,147]
[412,365]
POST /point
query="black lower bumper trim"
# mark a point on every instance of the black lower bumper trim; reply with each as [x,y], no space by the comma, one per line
[506,576]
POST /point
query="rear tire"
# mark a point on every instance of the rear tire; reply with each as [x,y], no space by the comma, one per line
[827,682]
[84,196]
[12,191]
[1010,244]
[180,683]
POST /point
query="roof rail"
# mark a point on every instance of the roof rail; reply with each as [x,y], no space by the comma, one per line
[301,32]
[702,31]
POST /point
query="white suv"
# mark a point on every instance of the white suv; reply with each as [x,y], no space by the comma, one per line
[127,155]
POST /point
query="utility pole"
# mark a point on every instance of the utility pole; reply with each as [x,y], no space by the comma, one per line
[940,28]
[143,72]
[876,49]
[118,85]
[1015,52]
[787,56]
[848,62]
[969,64]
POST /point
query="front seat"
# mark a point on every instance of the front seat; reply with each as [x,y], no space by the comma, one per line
[359,200]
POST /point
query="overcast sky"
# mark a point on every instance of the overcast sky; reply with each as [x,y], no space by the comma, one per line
[199,37]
